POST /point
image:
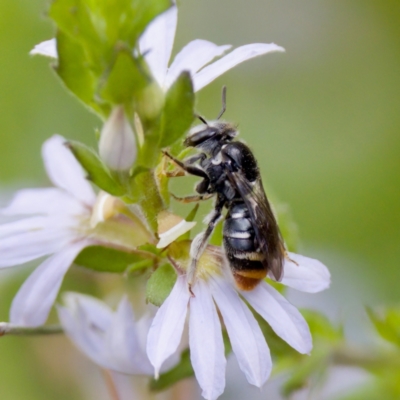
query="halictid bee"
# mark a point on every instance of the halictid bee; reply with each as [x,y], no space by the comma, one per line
[252,241]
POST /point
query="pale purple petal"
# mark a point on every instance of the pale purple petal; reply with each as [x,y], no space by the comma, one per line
[248,342]
[122,345]
[192,57]
[64,171]
[27,246]
[34,299]
[167,327]
[308,275]
[98,313]
[24,225]
[237,56]
[78,326]
[44,201]
[283,317]
[48,48]
[206,343]
[157,41]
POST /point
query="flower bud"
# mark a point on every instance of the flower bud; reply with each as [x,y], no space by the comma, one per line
[117,146]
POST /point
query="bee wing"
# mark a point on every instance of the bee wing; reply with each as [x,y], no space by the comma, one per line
[264,223]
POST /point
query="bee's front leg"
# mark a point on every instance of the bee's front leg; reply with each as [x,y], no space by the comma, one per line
[192,199]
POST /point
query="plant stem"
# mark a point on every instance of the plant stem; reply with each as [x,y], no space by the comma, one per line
[10,329]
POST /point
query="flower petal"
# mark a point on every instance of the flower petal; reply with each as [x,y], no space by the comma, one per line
[283,317]
[27,246]
[192,57]
[122,345]
[248,342]
[34,299]
[172,234]
[237,56]
[78,326]
[206,344]
[43,201]
[156,43]
[48,48]
[64,171]
[308,276]
[167,327]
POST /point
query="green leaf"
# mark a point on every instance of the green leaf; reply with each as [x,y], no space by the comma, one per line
[97,171]
[387,323]
[104,259]
[127,77]
[73,69]
[160,284]
[177,114]
[321,328]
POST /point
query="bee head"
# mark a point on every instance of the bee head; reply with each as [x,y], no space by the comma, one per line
[214,134]
[207,136]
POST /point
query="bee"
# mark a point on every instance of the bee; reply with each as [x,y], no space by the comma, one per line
[251,238]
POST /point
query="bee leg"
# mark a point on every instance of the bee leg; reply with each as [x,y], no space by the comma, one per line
[200,242]
[170,174]
[192,199]
[288,257]
[187,167]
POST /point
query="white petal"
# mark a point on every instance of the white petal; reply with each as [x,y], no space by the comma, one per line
[283,317]
[34,299]
[64,171]
[157,41]
[117,145]
[248,342]
[27,246]
[48,48]
[192,57]
[122,345]
[206,344]
[25,225]
[237,56]
[167,327]
[172,234]
[308,276]
[43,201]
[99,314]
[85,336]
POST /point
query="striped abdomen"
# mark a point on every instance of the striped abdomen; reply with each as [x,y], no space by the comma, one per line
[241,247]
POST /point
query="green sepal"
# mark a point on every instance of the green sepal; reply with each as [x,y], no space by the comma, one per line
[75,72]
[97,171]
[160,284]
[190,217]
[104,259]
[127,77]
[387,323]
[178,114]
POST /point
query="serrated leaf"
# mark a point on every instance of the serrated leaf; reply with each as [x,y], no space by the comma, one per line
[177,115]
[160,284]
[104,259]
[97,171]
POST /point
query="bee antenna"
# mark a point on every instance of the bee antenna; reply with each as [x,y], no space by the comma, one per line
[201,119]
[221,113]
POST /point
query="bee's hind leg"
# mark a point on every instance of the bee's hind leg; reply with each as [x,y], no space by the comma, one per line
[192,199]
[287,257]
[199,243]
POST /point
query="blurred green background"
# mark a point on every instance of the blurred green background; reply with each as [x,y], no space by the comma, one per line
[323,120]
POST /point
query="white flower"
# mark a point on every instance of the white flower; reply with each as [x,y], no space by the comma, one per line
[113,340]
[117,145]
[156,44]
[60,221]
[215,288]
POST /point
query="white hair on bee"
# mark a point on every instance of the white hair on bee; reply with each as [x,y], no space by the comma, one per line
[196,243]
[208,218]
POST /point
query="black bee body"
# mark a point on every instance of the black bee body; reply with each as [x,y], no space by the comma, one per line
[251,236]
